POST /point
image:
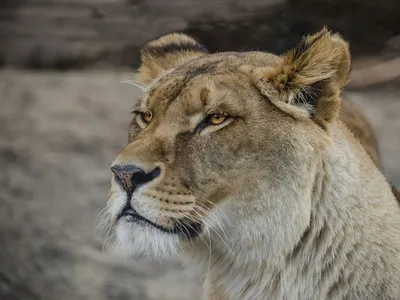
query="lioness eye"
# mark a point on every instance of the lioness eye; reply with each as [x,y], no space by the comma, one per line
[143,118]
[216,119]
[146,117]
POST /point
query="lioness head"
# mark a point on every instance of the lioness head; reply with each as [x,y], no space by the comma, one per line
[213,134]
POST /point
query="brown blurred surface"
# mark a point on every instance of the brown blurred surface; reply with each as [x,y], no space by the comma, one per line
[65,34]
[59,133]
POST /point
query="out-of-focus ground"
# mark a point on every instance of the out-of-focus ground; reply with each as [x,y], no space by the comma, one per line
[60,131]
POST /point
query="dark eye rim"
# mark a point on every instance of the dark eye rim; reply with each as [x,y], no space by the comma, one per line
[210,116]
[207,121]
[140,113]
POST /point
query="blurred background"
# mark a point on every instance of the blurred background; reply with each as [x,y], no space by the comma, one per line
[64,116]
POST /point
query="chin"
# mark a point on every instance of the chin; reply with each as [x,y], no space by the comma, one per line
[137,239]
[144,233]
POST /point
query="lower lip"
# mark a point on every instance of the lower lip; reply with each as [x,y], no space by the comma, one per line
[136,218]
[131,217]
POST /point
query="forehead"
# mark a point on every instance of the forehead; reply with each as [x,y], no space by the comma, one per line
[204,79]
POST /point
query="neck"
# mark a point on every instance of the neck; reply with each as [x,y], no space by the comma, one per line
[285,243]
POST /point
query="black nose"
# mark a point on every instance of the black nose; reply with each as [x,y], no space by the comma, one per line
[131,176]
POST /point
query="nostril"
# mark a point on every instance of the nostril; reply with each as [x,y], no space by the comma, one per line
[155,173]
[142,177]
[131,176]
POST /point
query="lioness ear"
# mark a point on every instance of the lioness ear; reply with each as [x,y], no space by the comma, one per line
[307,79]
[165,53]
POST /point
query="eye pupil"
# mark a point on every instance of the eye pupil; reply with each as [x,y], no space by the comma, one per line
[217,119]
[146,117]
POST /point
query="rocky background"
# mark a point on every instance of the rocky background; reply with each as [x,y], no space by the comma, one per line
[63,117]
[64,34]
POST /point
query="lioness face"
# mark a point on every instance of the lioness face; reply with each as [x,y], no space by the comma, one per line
[210,133]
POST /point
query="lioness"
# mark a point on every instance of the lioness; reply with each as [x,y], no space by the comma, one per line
[239,161]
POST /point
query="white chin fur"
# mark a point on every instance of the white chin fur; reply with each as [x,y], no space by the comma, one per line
[139,240]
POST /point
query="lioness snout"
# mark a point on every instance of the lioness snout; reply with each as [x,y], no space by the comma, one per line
[131,176]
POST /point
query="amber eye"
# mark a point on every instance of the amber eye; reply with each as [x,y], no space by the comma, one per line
[146,117]
[216,119]
[143,118]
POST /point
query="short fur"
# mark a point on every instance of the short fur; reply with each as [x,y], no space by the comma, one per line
[290,204]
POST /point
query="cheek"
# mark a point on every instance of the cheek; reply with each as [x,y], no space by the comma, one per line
[205,162]
[223,151]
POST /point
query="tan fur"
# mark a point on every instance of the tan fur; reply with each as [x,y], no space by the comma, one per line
[279,201]
[355,120]
[156,63]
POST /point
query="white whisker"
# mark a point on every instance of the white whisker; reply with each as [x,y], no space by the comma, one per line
[208,214]
[214,217]
[136,84]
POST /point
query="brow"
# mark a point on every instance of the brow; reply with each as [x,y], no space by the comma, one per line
[219,106]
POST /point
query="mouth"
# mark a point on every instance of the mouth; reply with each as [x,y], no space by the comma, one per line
[185,229]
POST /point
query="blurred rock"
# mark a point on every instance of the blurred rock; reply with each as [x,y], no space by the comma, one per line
[63,34]
[393,46]
[374,72]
